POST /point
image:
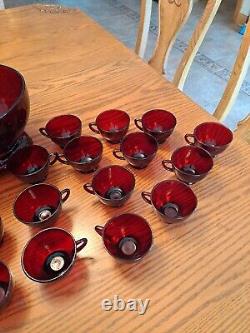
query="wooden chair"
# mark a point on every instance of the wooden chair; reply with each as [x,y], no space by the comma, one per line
[236,79]
[173,14]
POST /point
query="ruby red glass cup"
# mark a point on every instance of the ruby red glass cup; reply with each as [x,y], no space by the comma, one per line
[113,185]
[14,108]
[83,154]
[127,236]
[138,149]
[158,123]
[6,285]
[62,129]
[50,254]
[173,200]
[40,204]
[111,124]
[189,163]
[211,136]
[31,164]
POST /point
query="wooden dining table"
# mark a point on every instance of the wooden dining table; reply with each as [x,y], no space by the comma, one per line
[196,276]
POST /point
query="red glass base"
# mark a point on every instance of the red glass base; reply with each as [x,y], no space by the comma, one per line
[23,141]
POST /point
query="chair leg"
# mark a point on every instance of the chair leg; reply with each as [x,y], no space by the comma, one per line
[2,5]
[243,129]
[236,79]
[142,35]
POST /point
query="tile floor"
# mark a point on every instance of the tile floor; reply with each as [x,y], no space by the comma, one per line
[210,71]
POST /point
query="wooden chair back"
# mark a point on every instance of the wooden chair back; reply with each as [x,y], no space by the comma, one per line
[172,16]
[236,79]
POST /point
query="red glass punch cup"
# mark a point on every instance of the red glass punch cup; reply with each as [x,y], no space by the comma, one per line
[6,285]
[173,200]
[158,123]
[111,124]
[62,129]
[138,149]
[14,112]
[189,163]
[50,254]
[83,154]
[31,164]
[211,136]
[127,236]
[40,204]
[113,185]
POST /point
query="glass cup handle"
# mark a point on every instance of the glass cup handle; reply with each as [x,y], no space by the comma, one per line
[188,137]
[80,244]
[61,158]
[138,123]
[146,196]
[93,127]
[42,130]
[166,166]
[52,158]
[65,194]
[116,153]
[88,188]
[99,229]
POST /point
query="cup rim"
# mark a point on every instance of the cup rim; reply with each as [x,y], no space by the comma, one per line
[141,133]
[24,176]
[120,167]
[120,129]
[197,148]
[36,223]
[81,163]
[183,184]
[10,285]
[63,272]
[136,215]
[59,116]
[23,87]
[214,123]
[162,132]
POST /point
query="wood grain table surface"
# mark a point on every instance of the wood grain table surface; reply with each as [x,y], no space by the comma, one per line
[197,273]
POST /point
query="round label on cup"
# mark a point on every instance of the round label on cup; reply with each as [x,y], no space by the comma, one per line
[170,210]
[190,169]
[128,246]
[114,193]
[57,262]
[140,155]
[43,213]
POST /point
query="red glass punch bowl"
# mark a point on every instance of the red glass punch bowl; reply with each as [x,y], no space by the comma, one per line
[14,109]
